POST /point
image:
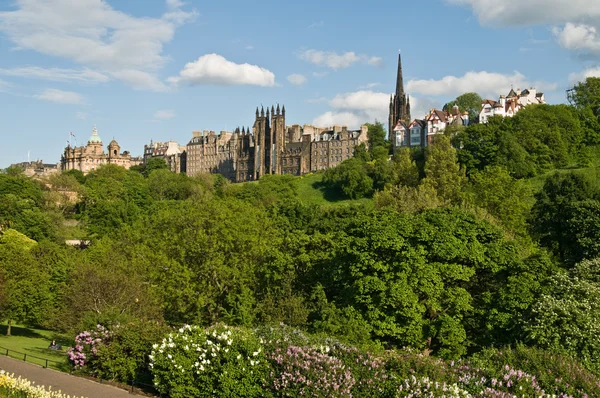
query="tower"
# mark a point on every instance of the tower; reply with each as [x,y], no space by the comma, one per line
[278,137]
[399,102]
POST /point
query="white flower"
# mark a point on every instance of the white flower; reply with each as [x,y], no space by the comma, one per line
[239,356]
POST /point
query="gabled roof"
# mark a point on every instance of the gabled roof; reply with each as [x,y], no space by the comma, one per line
[511,93]
[417,122]
[489,102]
[400,126]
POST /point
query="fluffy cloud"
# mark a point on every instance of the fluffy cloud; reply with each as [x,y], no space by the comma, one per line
[581,19]
[296,79]
[581,76]
[164,115]
[487,84]
[60,97]
[532,12]
[336,61]
[92,33]
[353,109]
[342,118]
[57,74]
[578,37]
[215,69]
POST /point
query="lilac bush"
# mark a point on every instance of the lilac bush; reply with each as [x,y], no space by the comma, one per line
[304,371]
[87,344]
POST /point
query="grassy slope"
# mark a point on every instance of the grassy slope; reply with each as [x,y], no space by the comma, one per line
[312,192]
[33,342]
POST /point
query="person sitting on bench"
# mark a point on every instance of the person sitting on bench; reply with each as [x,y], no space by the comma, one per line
[55,346]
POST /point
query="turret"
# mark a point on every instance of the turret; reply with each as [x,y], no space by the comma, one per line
[278,111]
[262,111]
[283,110]
[257,112]
[267,112]
[272,110]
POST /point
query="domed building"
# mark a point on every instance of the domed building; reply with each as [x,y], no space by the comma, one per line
[90,157]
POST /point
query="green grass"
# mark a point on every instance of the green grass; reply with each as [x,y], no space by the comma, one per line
[34,343]
[312,191]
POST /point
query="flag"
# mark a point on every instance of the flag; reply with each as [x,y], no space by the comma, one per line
[72,134]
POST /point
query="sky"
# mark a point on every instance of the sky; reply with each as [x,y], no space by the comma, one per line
[160,69]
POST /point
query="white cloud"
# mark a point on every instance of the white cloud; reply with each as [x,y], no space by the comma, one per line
[140,80]
[57,74]
[580,19]
[356,108]
[581,76]
[336,61]
[164,114]
[249,48]
[342,118]
[93,34]
[487,84]
[420,106]
[215,69]
[316,24]
[60,97]
[532,12]
[81,115]
[296,79]
[579,38]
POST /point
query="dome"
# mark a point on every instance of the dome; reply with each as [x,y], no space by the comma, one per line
[95,138]
[113,143]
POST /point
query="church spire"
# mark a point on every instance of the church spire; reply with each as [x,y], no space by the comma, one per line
[399,79]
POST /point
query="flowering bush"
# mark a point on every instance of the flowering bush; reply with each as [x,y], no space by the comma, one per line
[86,345]
[219,361]
[11,386]
[306,371]
[369,372]
[119,353]
[424,387]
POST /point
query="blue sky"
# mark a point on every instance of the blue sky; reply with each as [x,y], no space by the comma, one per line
[159,69]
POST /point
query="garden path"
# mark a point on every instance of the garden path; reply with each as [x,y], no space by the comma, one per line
[72,385]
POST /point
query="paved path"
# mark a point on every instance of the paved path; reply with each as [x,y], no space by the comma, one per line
[72,385]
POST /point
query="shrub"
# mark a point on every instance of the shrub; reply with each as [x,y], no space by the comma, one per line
[425,387]
[219,361]
[555,373]
[300,371]
[119,353]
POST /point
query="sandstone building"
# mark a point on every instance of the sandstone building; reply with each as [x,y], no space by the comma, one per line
[90,157]
[270,147]
[171,152]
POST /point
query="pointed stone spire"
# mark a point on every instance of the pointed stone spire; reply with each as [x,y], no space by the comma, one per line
[399,79]
[278,111]
[257,111]
[262,111]
[243,130]
[267,112]
[283,110]
[272,110]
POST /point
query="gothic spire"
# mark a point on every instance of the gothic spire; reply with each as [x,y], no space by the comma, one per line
[278,111]
[399,80]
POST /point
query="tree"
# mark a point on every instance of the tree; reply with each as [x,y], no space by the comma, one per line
[552,210]
[568,319]
[467,102]
[351,178]
[587,94]
[404,169]
[443,172]
[505,198]
[154,164]
[376,134]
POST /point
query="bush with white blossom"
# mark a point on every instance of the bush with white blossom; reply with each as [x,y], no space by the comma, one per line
[219,361]
[12,386]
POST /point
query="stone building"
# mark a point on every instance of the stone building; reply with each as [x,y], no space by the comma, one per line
[271,147]
[90,157]
[37,168]
[171,152]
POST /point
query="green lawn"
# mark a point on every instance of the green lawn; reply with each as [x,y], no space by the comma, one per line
[33,343]
[312,191]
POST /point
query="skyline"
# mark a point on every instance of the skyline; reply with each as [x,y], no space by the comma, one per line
[143,70]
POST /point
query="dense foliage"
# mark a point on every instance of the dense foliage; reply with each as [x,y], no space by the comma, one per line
[456,253]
